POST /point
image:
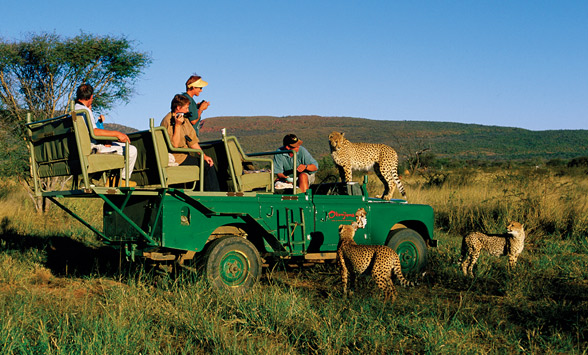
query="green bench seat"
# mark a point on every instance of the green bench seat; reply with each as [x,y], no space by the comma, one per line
[61,146]
[152,168]
[232,165]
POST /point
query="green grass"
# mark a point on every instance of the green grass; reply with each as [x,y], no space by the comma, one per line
[62,293]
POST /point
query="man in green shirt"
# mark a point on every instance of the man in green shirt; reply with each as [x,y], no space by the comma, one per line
[194,86]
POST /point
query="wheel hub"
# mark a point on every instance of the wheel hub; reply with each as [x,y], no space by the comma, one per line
[234,268]
[408,255]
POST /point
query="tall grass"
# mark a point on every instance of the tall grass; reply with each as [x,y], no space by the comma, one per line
[548,205]
[60,293]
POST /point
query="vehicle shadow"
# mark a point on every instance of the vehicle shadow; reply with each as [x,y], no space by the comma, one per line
[63,255]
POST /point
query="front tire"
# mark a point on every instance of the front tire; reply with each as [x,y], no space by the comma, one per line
[233,263]
[411,249]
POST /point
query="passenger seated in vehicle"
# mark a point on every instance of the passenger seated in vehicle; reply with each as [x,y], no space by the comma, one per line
[306,165]
[183,135]
[84,99]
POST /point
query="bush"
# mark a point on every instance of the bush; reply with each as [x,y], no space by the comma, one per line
[578,162]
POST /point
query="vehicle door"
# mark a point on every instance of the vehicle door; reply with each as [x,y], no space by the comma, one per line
[330,212]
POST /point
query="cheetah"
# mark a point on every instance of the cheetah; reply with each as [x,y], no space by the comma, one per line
[354,259]
[510,244]
[363,156]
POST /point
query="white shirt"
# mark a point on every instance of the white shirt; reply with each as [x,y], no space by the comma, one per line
[100,148]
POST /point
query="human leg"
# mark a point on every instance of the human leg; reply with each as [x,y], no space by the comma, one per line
[119,148]
[132,160]
[304,181]
[210,177]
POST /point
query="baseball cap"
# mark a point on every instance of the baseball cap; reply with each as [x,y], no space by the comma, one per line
[292,140]
[198,84]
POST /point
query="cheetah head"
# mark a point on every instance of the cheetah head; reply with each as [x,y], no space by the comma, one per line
[515,229]
[360,218]
[336,139]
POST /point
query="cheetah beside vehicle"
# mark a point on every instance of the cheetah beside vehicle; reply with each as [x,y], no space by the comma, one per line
[355,259]
[510,244]
[363,156]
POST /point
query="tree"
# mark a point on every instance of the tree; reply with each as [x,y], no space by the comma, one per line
[41,74]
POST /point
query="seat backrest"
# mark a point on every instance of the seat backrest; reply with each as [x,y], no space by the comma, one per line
[80,119]
[54,147]
[236,157]
[170,175]
[145,171]
[162,150]
[250,179]
[216,150]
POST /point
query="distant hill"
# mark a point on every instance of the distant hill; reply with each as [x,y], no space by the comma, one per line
[444,139]
[119,127]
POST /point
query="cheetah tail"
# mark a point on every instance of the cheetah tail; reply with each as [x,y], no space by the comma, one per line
[397,270]
[404,282]
[398,183]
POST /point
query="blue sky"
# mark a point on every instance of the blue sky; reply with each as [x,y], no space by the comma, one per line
[504,63]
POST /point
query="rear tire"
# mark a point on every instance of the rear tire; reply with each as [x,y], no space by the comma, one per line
[232,263]
[411,249]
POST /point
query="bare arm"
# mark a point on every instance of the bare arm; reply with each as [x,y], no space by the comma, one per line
[176,137]
[207,159]
[108,133]
[201,107]
[306,168]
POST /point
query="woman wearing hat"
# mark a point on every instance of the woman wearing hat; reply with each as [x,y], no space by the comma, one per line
[306,165]
[194,86]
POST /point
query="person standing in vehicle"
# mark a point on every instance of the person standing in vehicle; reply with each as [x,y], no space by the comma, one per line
[306,165]
[194,86]
[183,135]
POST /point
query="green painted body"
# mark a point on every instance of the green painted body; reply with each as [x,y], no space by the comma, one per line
[281,225]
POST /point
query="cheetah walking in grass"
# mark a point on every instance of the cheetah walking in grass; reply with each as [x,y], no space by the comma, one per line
[510,244]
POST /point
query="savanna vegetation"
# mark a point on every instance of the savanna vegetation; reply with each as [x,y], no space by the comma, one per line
[62,292]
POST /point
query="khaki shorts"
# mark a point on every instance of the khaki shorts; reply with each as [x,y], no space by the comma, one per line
[311,178]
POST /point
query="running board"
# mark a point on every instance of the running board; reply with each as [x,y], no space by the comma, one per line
[320,256]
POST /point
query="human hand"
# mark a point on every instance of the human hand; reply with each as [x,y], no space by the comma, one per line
[208,160]
[180,118]
[301,168]
[203,105]
[122,137]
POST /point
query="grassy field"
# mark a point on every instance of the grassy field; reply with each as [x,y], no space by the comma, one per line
[62,293]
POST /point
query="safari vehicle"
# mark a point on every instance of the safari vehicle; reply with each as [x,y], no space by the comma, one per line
[168,218]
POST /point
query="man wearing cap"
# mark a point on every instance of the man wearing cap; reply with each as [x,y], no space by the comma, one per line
[306,165]
[194,86]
